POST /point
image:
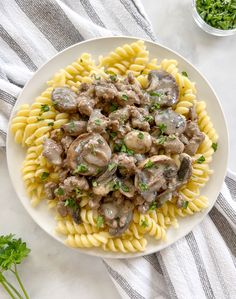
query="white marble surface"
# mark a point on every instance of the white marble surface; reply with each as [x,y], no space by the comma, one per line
[54,271]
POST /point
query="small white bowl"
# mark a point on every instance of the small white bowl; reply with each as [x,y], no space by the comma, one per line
[206,27]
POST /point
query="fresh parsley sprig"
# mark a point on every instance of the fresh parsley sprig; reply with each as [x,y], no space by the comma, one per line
[12,252]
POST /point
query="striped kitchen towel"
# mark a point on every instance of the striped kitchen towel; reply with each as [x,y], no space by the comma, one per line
[201,265]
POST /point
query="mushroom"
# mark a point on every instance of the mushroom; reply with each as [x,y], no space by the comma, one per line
[163,88]
[127,188]
[170,122]
[88,154]
[64,99]
[75,128]
[52,151]
[185,169]
[49,189]
[138,141]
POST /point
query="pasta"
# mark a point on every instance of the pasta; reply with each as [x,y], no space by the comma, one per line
[34,123]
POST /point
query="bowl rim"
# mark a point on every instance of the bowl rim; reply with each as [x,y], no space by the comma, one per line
[117,255]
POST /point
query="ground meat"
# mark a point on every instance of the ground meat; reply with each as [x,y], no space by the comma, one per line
[105,91]
[97,122]
[75,128]
[86,104]
[138,119]
[72,182]
[49,189]
[195,137]
[126,164]
[66,142]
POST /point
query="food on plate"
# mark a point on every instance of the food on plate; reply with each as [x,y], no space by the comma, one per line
[118,149]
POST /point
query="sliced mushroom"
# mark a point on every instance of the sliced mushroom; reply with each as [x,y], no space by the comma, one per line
[185,169]
[139,142]
[127,188]
[64,99]
[124,223]
[170,122]
[163,88]
[49,189]
[52,151]
[88,153]
[75,128]
[73,182]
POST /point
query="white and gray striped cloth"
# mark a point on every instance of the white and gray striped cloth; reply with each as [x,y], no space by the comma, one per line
[201,265]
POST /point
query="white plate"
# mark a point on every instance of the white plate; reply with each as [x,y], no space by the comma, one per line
[102,46]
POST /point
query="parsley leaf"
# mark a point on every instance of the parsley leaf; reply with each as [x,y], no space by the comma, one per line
[51,123]
[45,108]
[143,187]
[111,166]
[155,94]
[155,106]
[124,149]
[140,135]
[161,139]
[148,118]
[153,206]
[44,175]
[71,203]
[214,146]
[144,223]
[80,168]
[162,127]
[185,204]
[124,97]
[113,78]
[184,74]
[95,184]
[201,160]
[59,191]
[97,122]
[149,164]
[113,107]
[124,188]
[113,135]
[100,221]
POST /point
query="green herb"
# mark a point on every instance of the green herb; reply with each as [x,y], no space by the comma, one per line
[124,97]
[44,176]
[162,127]
[100,141]
[155,94]
[161,139]
[72,126]
[99,170]
[95,184]
[115,185]
[111,166]
[143,187]
[124,188]
[185,204]
[149,164]
[172,137]
[45,108]
[148,118]
[124,149]
[97,122]
[51,123]
[40,118]
[116,147]
[113,77]
[140,135]
[113,107]
[77,191]
[201,160]
[155,106]
[214,146]
[81,60]
[113,135]
[59,191]
[80,168]
[153,206]
[220,14]
[12,253]
[71,203]
[100,221]
[184,74]
[144,223]
[97,77]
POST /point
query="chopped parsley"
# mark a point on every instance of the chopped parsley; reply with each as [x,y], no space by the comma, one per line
[214,146]
[201,160]
[148,118]
[124,149]
[45,108]
[71,126]
[59,191]
[97,77]
[95,184]
[113,107]
[81,60]
[124,188]
[143,187]
[116,147]
[115,185]
[113,135]
[161,139]
[113,77]
[44,176]
[140,135]
[40,118]
[71,203]
[77,191]
[153,206]
[111,166]
[149,164]
[162,127]
[185,204]
[155,106]
[144,223]
[99,141]
[80,168]
[155,94]
[97,122]
[100,221]
[124,97]
[51,123]
[184,74]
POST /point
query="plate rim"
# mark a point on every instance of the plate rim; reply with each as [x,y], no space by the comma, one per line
[117,255]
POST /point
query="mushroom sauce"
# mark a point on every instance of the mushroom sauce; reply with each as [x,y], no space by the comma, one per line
[117,148]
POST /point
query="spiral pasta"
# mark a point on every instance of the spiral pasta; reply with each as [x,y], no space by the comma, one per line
[33,124]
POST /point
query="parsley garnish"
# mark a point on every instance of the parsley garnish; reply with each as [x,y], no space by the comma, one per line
[155,106]
[113,135]
[153,206]
[100,221]
[149,164]
[111,166]
[44,176]
[144,223]
[113,107]
[97,122]
[140,135]
[45,108]
[184,74]
[40,118]
[59,191]
[201,160]
[94,183]
[12,253]
[214,146]
[77,191]
[81,60]
[124,97]
[185,204]
[148,118]
[161,139]
[124,149]
[115,185]
[143,187]
[71,203]
[162,127]
[51,123]
[124,188]
[113,77]
[155,94]
[80,168]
